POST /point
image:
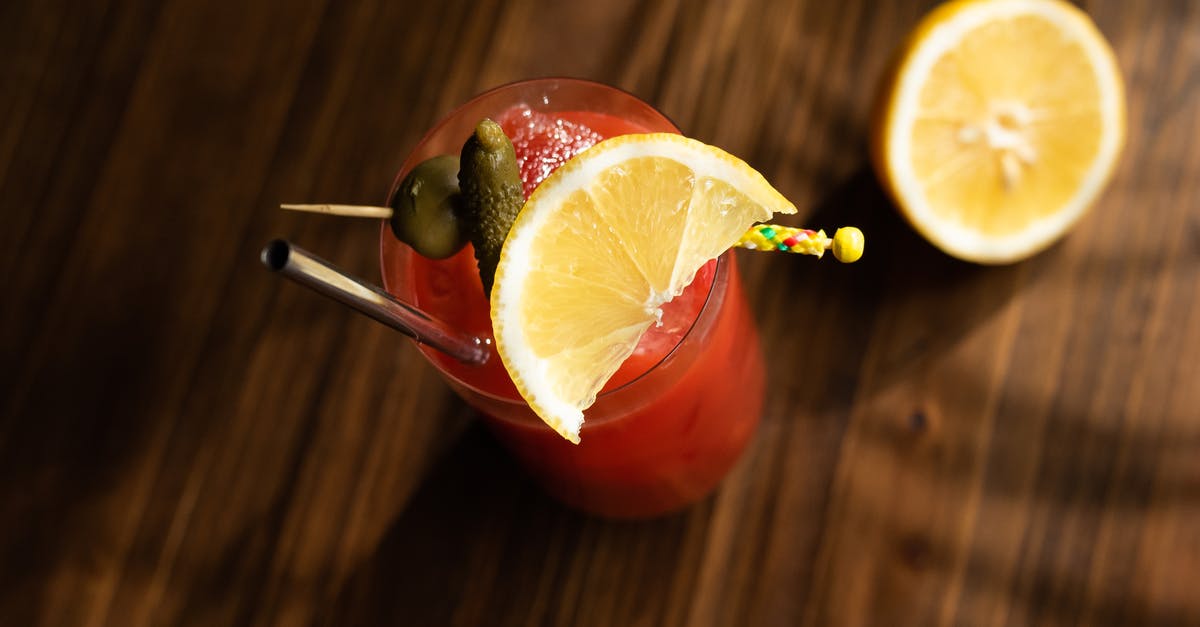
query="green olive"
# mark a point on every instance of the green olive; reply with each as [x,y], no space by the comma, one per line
[426,207]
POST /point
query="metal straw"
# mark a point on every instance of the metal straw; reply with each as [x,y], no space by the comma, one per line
[311,271]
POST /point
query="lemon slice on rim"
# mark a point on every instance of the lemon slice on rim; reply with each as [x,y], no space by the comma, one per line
[599,246]
[999,126]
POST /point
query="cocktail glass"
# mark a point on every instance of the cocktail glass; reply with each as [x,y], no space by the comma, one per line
[654,443]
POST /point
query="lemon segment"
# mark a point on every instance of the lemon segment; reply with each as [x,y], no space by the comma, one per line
[599,246]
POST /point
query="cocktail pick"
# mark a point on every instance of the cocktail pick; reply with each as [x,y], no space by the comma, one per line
[847,242]
[351,211]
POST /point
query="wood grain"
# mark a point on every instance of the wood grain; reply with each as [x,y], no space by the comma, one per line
[187,440]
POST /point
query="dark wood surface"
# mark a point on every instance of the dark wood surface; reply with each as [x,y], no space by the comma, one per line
[188,440]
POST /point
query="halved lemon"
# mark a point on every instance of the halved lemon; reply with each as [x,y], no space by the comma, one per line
[999,125]
[599,246]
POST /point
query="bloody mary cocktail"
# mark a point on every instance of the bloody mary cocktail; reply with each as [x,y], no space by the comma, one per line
[676,416]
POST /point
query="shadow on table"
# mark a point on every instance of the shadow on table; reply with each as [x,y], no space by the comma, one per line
[480,543]
[906,278]
[937,298]
[1056,536]
[908,303]
[426,552]
[902,305]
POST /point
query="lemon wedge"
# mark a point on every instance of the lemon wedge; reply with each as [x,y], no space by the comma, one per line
[599,246]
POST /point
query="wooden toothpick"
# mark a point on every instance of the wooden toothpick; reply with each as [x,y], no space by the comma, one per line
[352,211]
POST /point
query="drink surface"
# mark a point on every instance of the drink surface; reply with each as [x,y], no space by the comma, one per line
[451,289]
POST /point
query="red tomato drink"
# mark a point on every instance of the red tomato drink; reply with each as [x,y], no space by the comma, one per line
[676,416]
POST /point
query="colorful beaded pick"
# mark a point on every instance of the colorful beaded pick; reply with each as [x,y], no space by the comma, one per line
[847,243]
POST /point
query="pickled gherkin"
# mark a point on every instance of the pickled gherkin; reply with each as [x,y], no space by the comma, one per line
[491,194]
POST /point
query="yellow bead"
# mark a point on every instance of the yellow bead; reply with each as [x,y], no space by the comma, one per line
[848,244]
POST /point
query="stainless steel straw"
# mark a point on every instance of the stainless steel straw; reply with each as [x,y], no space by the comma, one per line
[311,271]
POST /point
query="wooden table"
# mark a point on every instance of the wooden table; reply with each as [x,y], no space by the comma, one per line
[186,439]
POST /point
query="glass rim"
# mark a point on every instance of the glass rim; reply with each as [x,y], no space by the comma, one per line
[720,271]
